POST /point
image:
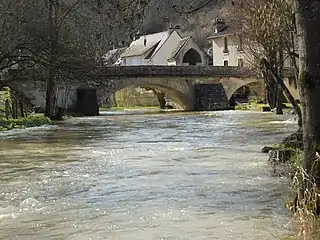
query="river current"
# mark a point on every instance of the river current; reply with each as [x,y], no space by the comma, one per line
[132,175]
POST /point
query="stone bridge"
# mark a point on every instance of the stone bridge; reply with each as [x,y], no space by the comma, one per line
[191,87]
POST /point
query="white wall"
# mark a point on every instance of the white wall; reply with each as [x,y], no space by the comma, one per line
[160,58]
[131,61]
[233,54]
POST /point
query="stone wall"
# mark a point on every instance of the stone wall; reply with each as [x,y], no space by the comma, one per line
[211,97]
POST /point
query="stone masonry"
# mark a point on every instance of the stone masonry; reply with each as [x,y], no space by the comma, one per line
[183,84]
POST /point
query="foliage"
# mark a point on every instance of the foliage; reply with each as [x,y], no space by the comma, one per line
[305,205]
[264,27]
[251,105]
[33,120]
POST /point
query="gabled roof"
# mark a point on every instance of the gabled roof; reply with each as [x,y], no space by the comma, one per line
[175,52]
[140,46]
[177,49]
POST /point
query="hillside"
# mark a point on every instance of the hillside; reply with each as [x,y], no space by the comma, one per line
[197,24]
[160,15]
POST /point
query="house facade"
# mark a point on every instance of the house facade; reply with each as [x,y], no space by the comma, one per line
[226,46]
[164,48]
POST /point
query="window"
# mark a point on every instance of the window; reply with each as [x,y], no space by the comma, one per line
[225,63]
[225,50]
[240,62]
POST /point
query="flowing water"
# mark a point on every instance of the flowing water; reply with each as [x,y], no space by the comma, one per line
[144,176]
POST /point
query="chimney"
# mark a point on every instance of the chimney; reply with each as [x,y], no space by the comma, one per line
[218,25]
[176,28]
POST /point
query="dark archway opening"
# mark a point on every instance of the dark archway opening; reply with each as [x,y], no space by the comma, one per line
[240,96]
[192,57]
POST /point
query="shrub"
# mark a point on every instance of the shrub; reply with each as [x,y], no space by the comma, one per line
[33,120]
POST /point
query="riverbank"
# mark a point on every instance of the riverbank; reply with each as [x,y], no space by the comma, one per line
[304,203]
[287,160]
[129,108]
[33,120]
[262,107]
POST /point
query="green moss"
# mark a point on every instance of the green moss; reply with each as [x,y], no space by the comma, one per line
[289,238]
[177,48]
[304,76]
[297,159]
[251,105]
[132,107]
[33,120]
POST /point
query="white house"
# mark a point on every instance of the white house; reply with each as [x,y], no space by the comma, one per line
[164,48]
[226,46]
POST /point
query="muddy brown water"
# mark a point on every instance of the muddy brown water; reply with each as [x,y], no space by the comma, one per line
[129,175]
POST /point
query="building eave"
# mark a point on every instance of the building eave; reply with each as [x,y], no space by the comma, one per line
[221,35]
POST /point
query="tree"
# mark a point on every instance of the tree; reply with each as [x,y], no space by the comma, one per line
[64,39]
[15,46]
[264,30]
[308,20]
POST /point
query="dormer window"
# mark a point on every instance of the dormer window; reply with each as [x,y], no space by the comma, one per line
[225,49]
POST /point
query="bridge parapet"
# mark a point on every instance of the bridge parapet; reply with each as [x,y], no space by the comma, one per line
[179,71]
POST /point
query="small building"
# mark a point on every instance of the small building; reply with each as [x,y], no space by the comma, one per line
[164,48]
[226,46]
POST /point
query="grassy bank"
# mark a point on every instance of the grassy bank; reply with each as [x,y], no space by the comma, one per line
[33,120]
[254,105]
[305,196]
[133,107]
[251,105]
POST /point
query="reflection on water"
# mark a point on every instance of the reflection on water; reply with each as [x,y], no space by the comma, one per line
[143,176]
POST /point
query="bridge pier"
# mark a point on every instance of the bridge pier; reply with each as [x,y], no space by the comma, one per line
[87,103]
[210,97]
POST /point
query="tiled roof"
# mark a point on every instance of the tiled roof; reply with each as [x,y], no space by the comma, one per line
[140,46]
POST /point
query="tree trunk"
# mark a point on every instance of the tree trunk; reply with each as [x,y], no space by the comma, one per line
[7,108]
[161,98]
[51,81]
[285,90]
[308,22]
[279,90]
[279,101]
[21,106]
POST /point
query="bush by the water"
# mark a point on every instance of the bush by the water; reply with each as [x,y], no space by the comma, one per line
[33,120]
[251,105]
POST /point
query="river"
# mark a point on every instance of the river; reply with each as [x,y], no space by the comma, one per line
[127,175]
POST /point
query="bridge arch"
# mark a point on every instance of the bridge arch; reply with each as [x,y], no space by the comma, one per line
[181,92]
[231,85]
